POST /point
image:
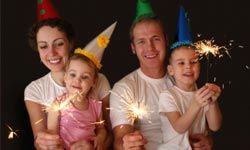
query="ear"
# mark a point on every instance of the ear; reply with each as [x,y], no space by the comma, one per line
[133,48]
[170,70]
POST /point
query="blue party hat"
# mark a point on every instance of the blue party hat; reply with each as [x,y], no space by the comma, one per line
[183,37]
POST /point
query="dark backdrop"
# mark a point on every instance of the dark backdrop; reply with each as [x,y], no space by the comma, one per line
[225,20]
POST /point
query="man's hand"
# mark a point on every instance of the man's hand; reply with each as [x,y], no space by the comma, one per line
[201,142]
[134,141]
[46,141]
[82,144]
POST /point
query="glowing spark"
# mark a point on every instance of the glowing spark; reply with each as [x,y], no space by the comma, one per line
[11,132]
[214,79]
[223,86]
[38,121]
[56,106]
[247,66]
[205,47]
[99,122]
[240,46]
[198,35]
[134,110]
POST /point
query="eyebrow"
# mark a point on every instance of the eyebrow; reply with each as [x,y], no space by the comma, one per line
[53,40]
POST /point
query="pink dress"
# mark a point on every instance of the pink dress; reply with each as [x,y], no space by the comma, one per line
[76,125]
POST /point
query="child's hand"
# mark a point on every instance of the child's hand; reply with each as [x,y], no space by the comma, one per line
[216,89]
[203,95]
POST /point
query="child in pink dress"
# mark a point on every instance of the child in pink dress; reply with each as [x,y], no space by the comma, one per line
[75,116]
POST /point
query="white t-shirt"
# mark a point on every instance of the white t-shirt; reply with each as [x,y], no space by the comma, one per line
[135,87]
[45,90]
[175,99]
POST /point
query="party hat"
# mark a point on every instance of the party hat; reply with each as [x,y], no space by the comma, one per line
[143,9]
[45,10]
[94,49]
[183,37]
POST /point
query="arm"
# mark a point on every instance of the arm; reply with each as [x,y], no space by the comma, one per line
[53,120]
[38,123]
[182,123]
[101,135]
[213,115]
[126,139]
[107,125]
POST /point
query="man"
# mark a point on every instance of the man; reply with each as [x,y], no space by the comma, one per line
[143,86]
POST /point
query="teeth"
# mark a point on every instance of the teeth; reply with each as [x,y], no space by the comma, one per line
[54,61]
[151,56]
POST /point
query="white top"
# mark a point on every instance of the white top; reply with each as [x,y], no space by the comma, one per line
[45,90]
[135,87]
[175,99]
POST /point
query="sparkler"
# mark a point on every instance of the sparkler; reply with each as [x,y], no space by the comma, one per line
[56,106]
[134,110]
[207,47]
[12,133]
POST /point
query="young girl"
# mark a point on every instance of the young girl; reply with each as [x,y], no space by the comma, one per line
[184,109]
[78,117]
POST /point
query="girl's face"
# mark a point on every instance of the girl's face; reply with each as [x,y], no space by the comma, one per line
[79,77]
[185,67]
[53,48]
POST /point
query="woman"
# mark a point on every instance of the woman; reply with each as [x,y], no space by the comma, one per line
[54,39]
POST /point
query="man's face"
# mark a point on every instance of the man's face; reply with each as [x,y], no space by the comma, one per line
[149,44]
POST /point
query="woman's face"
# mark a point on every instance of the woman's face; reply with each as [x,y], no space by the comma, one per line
[53,47]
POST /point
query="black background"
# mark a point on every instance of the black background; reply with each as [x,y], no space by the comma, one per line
[223,20]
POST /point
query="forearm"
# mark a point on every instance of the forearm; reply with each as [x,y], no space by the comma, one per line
[53,122]
[183,123]
[214,116]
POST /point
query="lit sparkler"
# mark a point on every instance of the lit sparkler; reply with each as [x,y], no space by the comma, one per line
[12,133]
[207,47]
[56,106]
[134,110]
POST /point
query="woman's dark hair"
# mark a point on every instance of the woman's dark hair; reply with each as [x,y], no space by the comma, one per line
[61,24]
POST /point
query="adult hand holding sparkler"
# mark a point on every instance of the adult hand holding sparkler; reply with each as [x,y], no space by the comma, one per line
[135,140]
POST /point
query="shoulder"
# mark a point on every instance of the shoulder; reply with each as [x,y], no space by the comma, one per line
[128,80]
[38,83]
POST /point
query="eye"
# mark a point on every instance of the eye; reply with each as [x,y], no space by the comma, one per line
[84,77]
[181,63]
[72,75]
[43,46]
[156,38]
[140,42]
[194,61]
[58,44]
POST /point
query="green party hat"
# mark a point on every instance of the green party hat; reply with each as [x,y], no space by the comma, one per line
[143,9]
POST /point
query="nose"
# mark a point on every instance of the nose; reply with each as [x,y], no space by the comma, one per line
[151,45]
[52,51]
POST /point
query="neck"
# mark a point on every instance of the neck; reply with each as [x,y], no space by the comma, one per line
[81,103]
[156,73]
[58,77]
[188,88]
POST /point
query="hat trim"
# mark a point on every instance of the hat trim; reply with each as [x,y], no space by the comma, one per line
[92,57]
[181,43]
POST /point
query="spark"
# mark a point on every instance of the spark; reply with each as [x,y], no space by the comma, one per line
[247,66]
[134,110]
[38,121]
[56,105]
[198,35]
[240,46]
[214,79]
[99,122]
[206,47]
[12,133]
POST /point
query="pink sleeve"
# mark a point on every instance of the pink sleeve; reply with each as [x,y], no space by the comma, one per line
[97,106]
